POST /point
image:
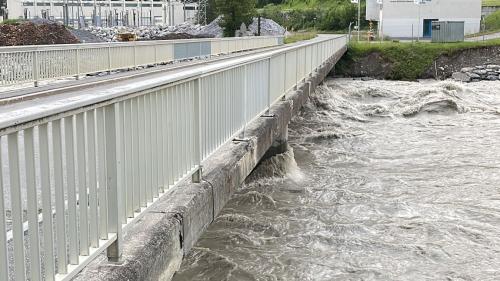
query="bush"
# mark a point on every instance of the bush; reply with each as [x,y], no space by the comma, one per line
[492,21]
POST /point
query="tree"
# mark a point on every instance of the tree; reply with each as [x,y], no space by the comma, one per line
[234,13]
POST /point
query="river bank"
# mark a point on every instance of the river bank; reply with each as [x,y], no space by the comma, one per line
[406,61]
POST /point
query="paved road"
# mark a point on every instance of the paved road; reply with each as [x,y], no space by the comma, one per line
[485,37]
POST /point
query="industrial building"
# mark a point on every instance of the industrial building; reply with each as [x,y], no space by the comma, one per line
[413,18]
[102,12]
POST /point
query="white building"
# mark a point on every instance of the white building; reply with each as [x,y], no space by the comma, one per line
[117,12]
[406,19]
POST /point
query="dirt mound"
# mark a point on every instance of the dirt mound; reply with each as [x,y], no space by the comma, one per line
[174,36]
[28,33]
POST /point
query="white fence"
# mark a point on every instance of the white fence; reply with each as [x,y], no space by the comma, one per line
[74,176]
[35,63]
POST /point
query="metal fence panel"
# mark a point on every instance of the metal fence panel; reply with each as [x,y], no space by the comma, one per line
[77,165]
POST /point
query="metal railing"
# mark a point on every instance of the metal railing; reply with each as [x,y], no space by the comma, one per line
[75,174]
[25,64]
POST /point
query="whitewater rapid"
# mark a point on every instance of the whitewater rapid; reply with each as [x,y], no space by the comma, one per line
[384,180]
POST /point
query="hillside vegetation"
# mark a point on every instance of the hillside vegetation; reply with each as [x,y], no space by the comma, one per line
[329,15]
[407,61]
[492,21]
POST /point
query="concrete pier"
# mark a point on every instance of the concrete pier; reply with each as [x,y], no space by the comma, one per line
[155,245]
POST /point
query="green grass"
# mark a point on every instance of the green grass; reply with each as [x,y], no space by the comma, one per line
[492,21]
[12,21]
[296,37]
[491,3]
[409,61]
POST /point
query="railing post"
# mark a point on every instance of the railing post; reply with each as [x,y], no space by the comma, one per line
[113,180]
[296,69]
[36,73]
[77,57]
[109,57]
[269,88]
[156,55]
[135,55]
[197,176]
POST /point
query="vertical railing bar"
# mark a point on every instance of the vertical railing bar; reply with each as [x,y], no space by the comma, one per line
[32,204]
[47,225]
[142,151]
[92,180]
[17,211]
[164,141]
[171,135]
[128,158]
[4,261]
[135,152]
[102,174]
[114,184]
[154,145]
[82,185]
[70,182]
[148,135]
[126,184]
[159,141]
[59,197]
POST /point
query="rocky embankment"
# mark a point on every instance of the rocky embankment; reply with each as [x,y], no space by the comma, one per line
[490,72]
[411,64]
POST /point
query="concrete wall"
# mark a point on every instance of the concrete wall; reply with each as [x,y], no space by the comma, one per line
[156,244]
[401,18]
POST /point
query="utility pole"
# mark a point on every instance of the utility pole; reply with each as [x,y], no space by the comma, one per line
[359,17]
[418,2]
[359,20]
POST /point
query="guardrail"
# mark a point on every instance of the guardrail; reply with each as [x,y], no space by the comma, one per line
[74,175]
[25,64]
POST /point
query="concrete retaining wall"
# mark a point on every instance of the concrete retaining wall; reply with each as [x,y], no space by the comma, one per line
[155,245]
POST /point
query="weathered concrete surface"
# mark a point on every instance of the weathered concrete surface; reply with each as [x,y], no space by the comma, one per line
[155,245]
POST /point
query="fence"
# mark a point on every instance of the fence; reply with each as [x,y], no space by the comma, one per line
[74,176]
[35,63]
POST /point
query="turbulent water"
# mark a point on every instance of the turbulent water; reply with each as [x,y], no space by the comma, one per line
[384,181]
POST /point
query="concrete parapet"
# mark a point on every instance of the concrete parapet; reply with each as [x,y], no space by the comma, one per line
[155,245]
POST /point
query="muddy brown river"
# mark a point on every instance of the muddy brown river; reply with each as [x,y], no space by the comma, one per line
[384,181]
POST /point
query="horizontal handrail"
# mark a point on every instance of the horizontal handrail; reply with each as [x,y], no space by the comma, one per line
[94,162]
[22,64]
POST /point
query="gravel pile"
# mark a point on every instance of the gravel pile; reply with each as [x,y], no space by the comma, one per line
[268,27]
[478,73]
[29,33]
[182,31]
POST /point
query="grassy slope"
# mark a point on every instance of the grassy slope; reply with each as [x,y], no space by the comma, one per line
[491,3]
[296,37]
[410,61]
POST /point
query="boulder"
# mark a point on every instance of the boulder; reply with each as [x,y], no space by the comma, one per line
[492,77]
[480,71]
[493,66]
[460,76]
[467,69]
[473,75]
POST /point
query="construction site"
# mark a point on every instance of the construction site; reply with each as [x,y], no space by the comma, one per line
[95,21]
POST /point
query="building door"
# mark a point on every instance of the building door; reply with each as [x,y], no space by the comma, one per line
[428,27]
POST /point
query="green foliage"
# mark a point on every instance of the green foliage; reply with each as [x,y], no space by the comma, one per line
[296,37]
[12,21]
[211,11]
[492,21]
[491,3]
[234,13]
[331,15]
[409,61]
